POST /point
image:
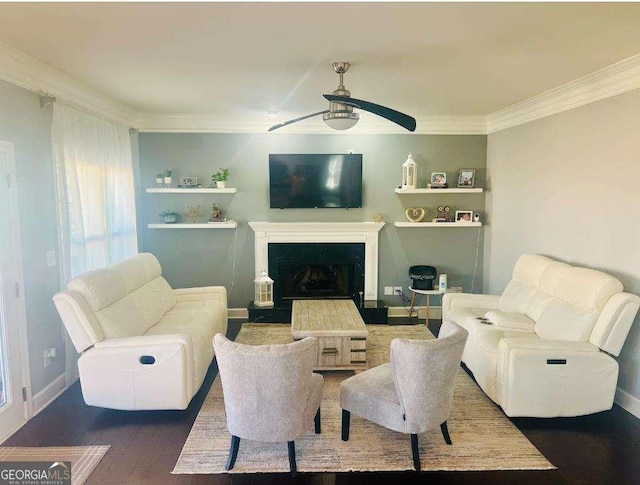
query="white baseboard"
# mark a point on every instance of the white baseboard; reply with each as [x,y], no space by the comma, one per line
[237,313]
[628,402]
[435,312]
[42,399]
[10,433]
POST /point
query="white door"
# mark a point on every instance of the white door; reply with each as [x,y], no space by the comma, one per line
[13,411]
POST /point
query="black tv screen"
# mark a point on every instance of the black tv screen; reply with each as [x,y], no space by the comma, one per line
[315,180]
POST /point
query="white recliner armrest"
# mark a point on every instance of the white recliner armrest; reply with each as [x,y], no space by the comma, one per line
[142,372]
[468,300]
[145,341]
[550,378]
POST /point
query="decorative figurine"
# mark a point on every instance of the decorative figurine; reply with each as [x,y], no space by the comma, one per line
[193,214]
[443,214]
[216,214]
[415,214]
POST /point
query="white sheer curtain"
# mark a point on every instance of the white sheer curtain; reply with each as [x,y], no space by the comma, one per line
[96,197]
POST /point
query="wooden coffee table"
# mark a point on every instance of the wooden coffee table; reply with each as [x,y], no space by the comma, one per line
[341,332]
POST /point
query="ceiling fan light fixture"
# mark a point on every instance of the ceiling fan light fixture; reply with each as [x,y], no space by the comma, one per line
[340,115]
[341,120]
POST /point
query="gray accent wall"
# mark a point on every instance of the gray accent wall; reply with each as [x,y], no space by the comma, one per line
[195,257]
[29,128]
[566,186]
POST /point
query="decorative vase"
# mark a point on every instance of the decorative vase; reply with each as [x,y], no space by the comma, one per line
[170,218]
[221,184]
[167,181]
[159,181]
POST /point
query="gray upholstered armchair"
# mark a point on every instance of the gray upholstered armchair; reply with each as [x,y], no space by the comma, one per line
[413,392]
[270,392]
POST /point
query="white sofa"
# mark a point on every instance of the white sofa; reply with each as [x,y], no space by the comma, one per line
[144,345]
[543,348]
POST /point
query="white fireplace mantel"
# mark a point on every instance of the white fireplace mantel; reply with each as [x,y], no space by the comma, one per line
[322,232]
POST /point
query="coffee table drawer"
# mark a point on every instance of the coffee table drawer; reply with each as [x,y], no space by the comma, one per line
[335,352]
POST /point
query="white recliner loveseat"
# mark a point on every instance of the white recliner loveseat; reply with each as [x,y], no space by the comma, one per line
[144,345]
[543,348]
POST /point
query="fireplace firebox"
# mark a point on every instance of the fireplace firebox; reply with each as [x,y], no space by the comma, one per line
[317,270]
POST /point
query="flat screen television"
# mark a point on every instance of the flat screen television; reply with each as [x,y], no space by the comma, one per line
[315,181]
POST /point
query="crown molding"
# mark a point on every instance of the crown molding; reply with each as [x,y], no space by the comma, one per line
[451,125]
[29,73]
[368,124]
[610,81]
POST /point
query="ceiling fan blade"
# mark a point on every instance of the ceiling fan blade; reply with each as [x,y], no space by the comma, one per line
[401,119]
[295,120]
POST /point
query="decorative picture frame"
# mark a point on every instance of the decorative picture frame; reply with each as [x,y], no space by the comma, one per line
[467,178]
[438,179]
[189,181]
[464,216]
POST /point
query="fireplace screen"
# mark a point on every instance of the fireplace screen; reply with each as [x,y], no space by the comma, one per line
[315,280]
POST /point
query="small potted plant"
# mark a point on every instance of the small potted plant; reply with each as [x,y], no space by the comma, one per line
[169,217]
[167,178]
[220,177]
[159,180]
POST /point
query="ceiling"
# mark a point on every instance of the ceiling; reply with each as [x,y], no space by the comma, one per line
[426,59]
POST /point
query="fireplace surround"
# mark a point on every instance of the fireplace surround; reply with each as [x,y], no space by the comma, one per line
[363,271]
[365,233]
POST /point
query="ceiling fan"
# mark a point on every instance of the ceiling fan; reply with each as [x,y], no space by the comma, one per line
[340,115]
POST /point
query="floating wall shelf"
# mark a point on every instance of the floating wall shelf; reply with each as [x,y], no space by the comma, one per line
[229,190]
[217,225]
[440,191]
[438,224]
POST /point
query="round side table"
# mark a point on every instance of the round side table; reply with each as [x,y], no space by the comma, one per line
[427,293]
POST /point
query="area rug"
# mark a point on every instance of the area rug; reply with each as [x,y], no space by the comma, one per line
[483,437]
[84,459]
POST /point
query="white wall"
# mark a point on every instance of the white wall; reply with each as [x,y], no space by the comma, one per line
[568,186]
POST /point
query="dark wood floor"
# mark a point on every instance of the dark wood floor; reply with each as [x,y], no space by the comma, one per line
[598,449]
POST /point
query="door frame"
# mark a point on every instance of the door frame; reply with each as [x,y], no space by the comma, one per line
[8,148]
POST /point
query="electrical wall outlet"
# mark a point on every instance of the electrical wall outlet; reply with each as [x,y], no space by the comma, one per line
[397,289]
[388,290]
[51,258]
